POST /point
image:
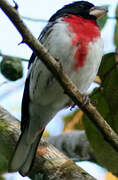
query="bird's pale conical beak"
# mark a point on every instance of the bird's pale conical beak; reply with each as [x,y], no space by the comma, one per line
[98,11]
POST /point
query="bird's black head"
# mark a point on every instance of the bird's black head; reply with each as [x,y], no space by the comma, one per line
[79,8]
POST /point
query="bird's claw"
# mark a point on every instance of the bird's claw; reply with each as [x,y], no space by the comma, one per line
[73,106]
[58,61]
[86,100]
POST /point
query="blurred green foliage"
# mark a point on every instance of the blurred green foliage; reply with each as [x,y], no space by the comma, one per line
[11,68]
[102,21]
[116,28]
[105,98]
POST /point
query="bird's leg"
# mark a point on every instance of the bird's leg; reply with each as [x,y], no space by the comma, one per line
[57,59]
[86,100]
[72,107]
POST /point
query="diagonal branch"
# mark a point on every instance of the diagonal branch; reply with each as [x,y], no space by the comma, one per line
[49,161]
[69,88]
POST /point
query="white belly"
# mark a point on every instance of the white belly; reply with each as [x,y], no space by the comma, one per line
[88,72]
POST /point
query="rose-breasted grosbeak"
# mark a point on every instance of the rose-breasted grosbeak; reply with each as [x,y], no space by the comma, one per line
[72,36]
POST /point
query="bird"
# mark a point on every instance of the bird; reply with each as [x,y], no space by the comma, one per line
[72,36]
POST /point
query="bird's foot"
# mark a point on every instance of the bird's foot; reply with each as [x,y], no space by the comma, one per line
[58,61]
[86,100]
[72,107]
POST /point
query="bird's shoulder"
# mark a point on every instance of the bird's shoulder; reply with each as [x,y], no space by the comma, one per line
[42,37]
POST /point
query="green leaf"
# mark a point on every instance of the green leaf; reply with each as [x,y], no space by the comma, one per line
[107,104]
[2,178]
[5,151]
[116,29]
[108,73]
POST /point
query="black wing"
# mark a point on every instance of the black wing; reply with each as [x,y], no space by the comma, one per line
[25,107]
[26,97]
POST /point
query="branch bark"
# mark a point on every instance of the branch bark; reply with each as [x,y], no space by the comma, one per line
[49,161]
[69,88]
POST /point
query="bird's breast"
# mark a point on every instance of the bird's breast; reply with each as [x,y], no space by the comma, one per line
[84,31]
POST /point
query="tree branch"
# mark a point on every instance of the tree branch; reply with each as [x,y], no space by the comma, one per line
[54,66]
[49,161]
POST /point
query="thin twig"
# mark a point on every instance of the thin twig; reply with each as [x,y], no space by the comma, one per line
[34,19]
[16,5]
[9,56]
[4,82]
[115,18]
[70,89]
[45,21]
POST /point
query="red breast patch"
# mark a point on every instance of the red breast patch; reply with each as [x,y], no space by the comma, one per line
[85,31]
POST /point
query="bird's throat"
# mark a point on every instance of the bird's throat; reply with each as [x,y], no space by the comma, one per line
[84,31]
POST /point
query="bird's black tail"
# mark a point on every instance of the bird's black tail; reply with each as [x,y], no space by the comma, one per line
[24,154]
